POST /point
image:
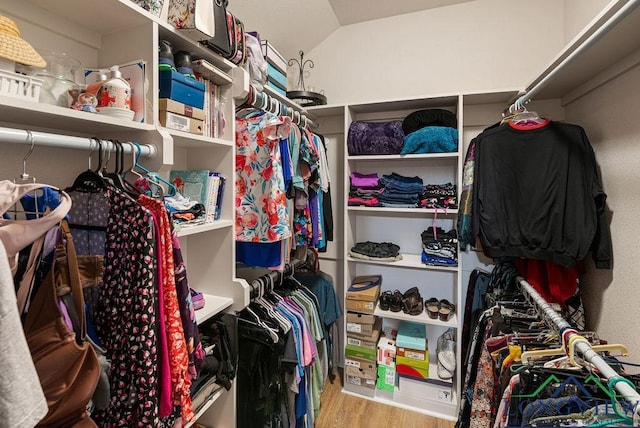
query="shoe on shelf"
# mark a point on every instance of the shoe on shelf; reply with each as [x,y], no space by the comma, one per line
[445,310]
[432,308]
[396,301]
[412,302]
[446,354]
[385,300]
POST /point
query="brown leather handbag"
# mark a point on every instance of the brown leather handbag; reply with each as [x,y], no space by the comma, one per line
[66,363]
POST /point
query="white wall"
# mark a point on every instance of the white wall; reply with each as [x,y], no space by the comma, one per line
[610,117]
[578,13]
[472,46]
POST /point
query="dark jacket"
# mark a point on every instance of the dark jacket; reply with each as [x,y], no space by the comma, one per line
[537,195]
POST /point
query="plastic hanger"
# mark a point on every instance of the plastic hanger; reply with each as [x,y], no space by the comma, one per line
[153,176]
[90,180]
[529,356]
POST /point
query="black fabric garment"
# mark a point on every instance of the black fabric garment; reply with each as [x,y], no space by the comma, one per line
[327,210]
[537,195]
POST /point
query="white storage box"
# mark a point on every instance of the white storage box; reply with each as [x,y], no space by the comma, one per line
[19,86]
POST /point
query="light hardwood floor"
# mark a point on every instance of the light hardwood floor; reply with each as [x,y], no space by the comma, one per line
[339,410]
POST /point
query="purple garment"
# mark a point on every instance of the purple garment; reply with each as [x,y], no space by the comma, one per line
[187,312]
[375,138]
[364,180]
[315,218]
[65,314]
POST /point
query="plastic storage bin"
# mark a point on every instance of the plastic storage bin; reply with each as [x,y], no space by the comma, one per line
[19,86]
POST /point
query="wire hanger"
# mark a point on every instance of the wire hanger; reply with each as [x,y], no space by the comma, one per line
[25,178]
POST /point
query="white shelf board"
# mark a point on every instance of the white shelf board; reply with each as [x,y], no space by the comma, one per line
[212,73]
[409,261]
[619,42]
[213,305]
[187,139]
[430,407]
[387,106]
[217,394]
[422,318]
[440,212]
[453,155]
[186,230]
[38,115]
[325,110]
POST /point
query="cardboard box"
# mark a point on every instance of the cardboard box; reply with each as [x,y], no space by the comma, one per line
[362,343]
[412,335]
[413,354]
[387,378]
[365,288]
[359,352]
[173,106]
[412,372]
[419,364]
[360,363]
[181,123]
[361,318]
[273,57]
[361,306]
[387,351]
[363,373]
[371,336]
[360,381]
[364,331]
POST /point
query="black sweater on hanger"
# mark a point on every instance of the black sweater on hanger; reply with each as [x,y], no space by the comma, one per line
[537,195]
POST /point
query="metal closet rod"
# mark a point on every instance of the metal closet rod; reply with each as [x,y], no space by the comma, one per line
[284,109]
[615,19]
[21,136]
[583,346]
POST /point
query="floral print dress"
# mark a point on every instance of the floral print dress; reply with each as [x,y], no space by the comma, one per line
[261,203]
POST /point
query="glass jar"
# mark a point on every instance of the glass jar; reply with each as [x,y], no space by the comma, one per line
[59,78]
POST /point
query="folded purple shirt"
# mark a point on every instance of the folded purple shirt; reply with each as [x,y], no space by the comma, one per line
[363,180]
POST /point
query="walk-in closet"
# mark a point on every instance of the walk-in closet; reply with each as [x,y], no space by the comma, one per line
[248,214]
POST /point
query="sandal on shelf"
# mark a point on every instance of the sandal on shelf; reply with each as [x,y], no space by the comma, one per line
[445,309]
[385,300]
[432,307]
[396,301]
[412,302]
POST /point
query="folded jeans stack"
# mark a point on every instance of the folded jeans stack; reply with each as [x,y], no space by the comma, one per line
[364,190]
[439,196]
[380,251]
[400,191]
[439,248]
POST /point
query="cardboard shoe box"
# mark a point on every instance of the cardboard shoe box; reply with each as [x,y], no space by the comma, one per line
[363,293]
[353,317]
[368,332]
[181,123]
[167,104]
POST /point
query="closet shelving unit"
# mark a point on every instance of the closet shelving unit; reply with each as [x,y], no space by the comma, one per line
[401,226]
[101,33]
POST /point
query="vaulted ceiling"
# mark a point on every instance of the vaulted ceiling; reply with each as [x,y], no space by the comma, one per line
[294,25]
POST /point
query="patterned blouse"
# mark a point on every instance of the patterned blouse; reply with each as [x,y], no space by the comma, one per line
[178,355]
[261,203]
[126,319]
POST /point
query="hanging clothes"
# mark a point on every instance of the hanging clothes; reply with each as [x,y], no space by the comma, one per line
[537,195]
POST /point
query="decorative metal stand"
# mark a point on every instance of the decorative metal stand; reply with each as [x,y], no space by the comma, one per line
[302,96]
